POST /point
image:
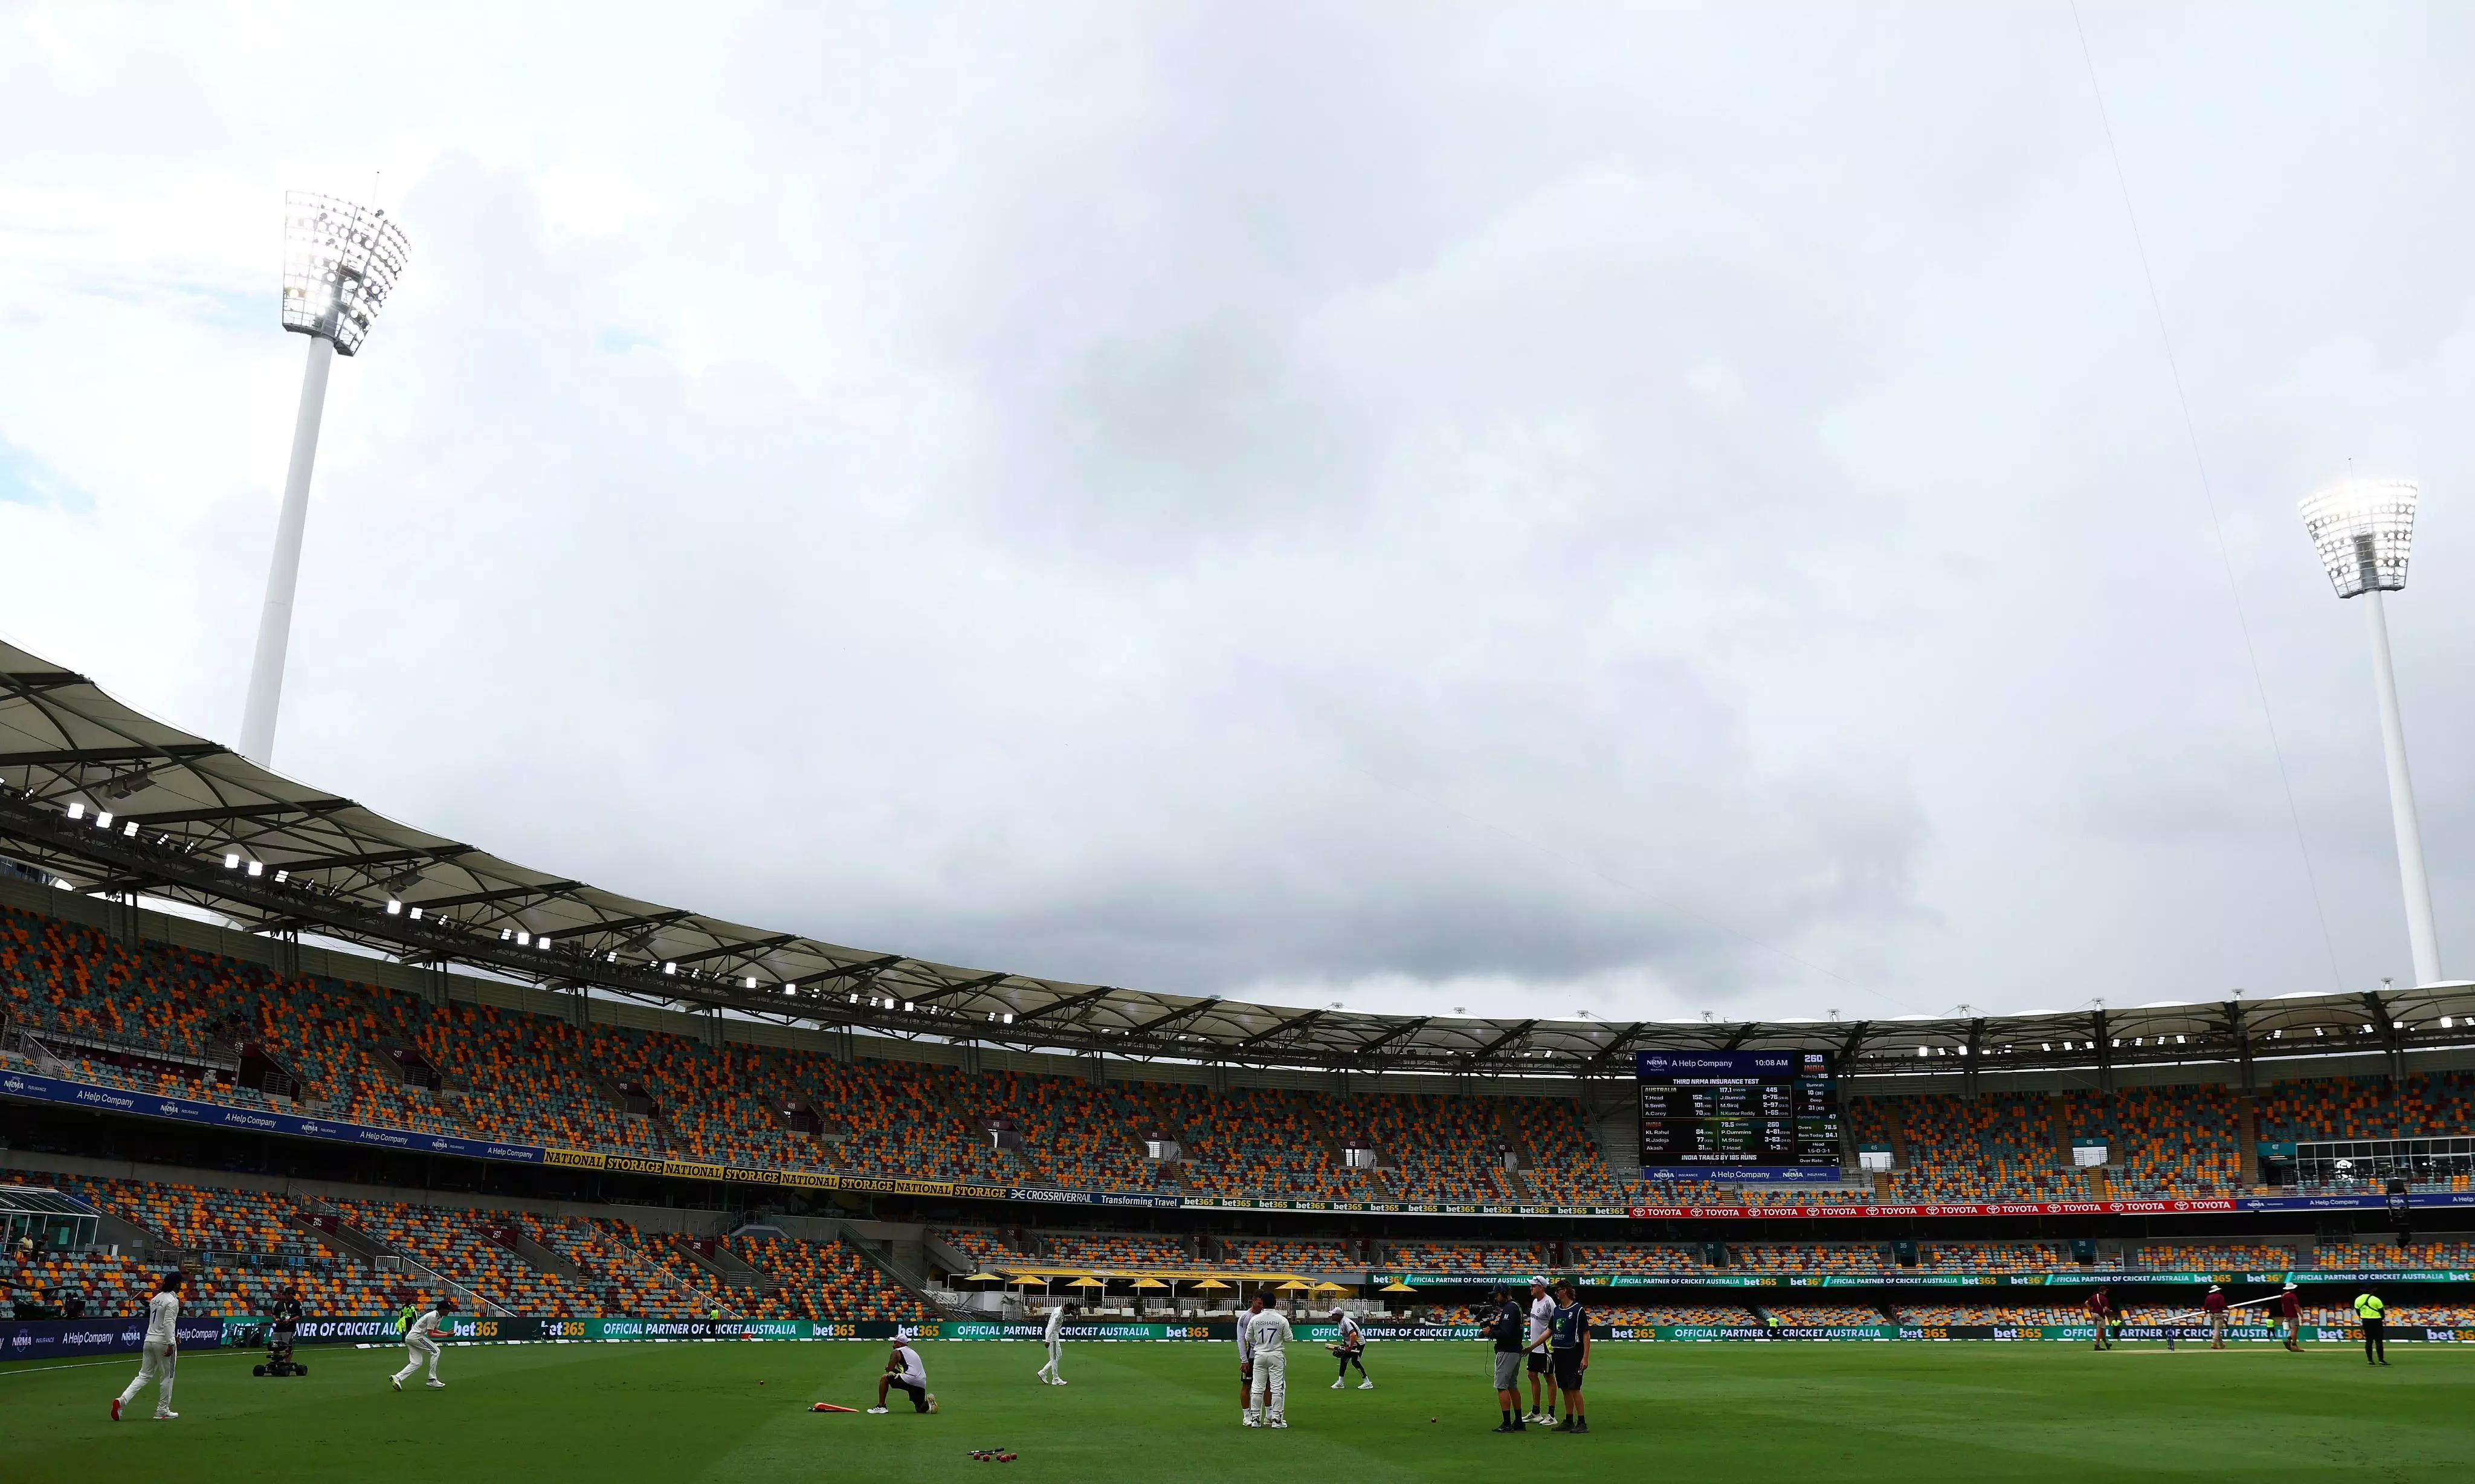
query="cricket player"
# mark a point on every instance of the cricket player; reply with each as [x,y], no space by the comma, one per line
[2215,1307]
[1266,1337]
[1351,1350]
[1542,1319]
[421,1343]
[907,1373]
[161,1353]
[2290,1308]
[1055,1335]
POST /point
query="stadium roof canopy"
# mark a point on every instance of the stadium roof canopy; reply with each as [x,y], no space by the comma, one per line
[118,804]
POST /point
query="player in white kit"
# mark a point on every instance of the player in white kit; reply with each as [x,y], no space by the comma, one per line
[1542,1318]
[1265,1336]
[1351,1350]
[421,1343]
[1055,1335]
[161,1353]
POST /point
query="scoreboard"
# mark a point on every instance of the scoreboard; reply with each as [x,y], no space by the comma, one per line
[1740,1112]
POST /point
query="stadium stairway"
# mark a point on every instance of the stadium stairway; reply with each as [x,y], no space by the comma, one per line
[382,1253]
[913,1285]
[1508,1128]
[727,1267]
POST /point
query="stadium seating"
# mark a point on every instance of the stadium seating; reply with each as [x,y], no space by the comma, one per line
[2382,1255]
[1505,1259]
[537,1080]
[1986,1314]
[1434,1148]
[1798,1314]
[629,1281]
[1287,1257]
[1807,1257]
[450,1243]
[1120,1252]
[1637,1258]
[2215,1256]
[1257,1141]
[1995,1257]
[820,1282]
[1639,1315]
[1566,1166]
[985,1247]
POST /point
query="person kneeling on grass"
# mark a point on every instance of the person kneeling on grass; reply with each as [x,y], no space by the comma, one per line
[904,1369]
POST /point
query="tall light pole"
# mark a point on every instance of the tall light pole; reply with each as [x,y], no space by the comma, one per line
[339,263]
[2365,529]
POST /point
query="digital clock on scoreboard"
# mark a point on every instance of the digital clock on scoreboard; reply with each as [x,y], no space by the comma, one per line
[1741,1113]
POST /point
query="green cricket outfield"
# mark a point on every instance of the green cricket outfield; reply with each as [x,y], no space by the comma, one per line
[1823,1412]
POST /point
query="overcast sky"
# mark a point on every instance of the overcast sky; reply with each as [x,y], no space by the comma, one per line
[1642,510]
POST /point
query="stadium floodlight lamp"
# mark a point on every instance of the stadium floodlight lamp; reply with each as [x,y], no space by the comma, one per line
[2363,530]
[340,262]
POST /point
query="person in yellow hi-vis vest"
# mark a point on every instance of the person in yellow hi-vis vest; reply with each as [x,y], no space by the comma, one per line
[2368,1312]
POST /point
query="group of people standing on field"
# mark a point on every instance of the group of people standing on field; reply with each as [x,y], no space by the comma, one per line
[1550,1337]
[2371,1312]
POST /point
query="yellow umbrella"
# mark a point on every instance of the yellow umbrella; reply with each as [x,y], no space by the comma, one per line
[1149,1282]
[1088,1281]
[1331,1288]
[1293,1286]
[1396,1286]
[1211,1282]
[985,1278]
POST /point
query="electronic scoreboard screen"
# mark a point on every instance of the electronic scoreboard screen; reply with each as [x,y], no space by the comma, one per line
[1741,1112]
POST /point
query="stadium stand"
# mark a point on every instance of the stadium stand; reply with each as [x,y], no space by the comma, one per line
[1261,1141]
[451,1244]
[1938,1314]
[1287,1257]
[1796,1314]
[2415,1254]
[1638,1258]
[821,1281]
[631,1281]
[1696,1314]
[1118,1252]
[2214,1256]
[154,1018]
[1505,1259]
[1995,1257]
[1565,1164]
[1807,1257]
[1436,1148]
[984,1247]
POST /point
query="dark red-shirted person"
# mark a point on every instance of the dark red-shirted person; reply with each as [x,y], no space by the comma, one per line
[2215,1307]
[2096,1307]
[2290,1308]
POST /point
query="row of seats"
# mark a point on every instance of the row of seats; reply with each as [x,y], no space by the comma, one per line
[535,1079]
[1508,1258]
[1797,1315]
[1287,1257]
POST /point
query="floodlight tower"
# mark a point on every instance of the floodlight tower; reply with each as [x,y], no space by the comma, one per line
[2363,529]
[339,263]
